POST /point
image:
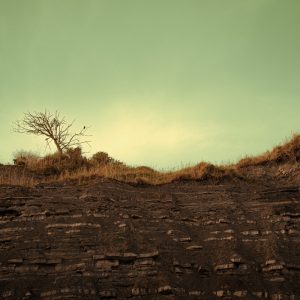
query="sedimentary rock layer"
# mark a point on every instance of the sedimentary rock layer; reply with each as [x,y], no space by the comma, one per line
[178,241]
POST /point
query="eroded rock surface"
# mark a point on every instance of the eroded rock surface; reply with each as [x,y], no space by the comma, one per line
[108,240]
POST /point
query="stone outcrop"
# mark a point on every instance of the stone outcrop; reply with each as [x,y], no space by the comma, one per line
[108,240]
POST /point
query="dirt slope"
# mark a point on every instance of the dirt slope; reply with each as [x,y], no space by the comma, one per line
[183,240]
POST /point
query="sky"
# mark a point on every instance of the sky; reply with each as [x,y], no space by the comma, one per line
[162,83]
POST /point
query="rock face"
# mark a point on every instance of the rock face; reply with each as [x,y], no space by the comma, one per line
[108,240]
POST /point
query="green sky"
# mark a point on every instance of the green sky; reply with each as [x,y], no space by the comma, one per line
[161,82]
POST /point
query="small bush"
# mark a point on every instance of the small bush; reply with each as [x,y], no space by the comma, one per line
[52,164]
[102,158]
[70,161]
[25,158]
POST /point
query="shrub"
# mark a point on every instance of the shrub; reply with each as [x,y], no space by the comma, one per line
[25,158]
[57,163]
[102,158]
[52,164]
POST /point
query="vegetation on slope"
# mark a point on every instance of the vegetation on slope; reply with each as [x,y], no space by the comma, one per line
[288,152]
[29,169]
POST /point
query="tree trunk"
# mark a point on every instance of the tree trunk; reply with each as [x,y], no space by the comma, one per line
[58,147]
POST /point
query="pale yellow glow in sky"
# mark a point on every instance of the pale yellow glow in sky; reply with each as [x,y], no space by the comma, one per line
[161,82]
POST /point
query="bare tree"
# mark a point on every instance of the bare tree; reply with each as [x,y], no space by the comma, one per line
[54,127]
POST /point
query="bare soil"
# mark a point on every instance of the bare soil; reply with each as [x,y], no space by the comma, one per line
[184,240]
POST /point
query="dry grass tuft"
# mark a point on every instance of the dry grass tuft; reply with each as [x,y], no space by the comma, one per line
[16,176]
[118,172]
[146,175]
[287,152]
